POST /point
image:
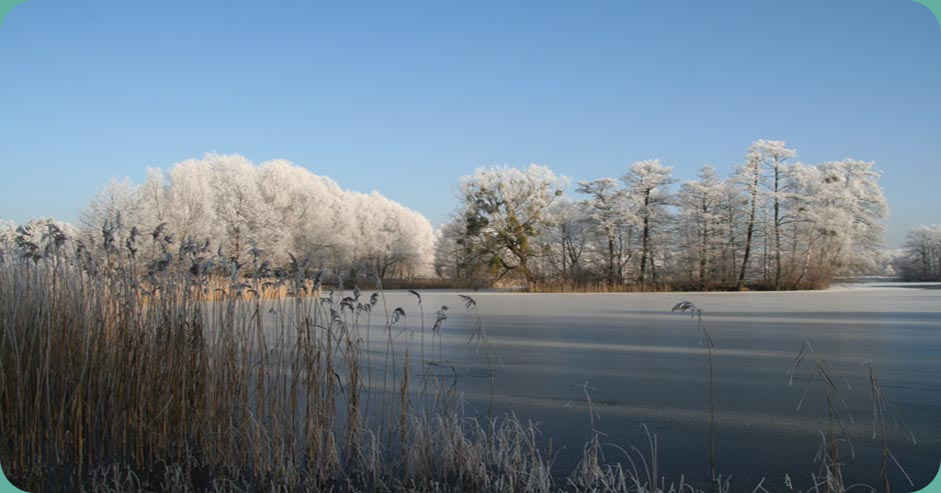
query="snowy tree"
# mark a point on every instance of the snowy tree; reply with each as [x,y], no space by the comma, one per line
[806,218]
[246,219]
[647,183]
[732,205]
[111,220]
[921,257]
[609,208]
[453,257]
[313,213]
[771,155]
[392,238]
[851,193]
[274,210]
[700,219]
[154,199]
[763,155]
[834,214]
[564,239]
[503,209]
[191,210]
[750,176]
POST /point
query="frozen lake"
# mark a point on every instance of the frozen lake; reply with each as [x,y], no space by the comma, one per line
[643,365]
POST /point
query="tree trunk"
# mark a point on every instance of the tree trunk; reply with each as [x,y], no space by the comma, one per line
[611,278]
[925,264]
[644,252]
[777,230]
[523,265]
[764,254]
[702,248]
[792,264]
[730,273]
[237,246]
[751,229]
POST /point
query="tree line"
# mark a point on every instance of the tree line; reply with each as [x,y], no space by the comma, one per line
[235,212]
[920,259]
[772,224]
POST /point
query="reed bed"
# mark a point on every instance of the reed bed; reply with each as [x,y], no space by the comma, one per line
[163,376]
[122,375]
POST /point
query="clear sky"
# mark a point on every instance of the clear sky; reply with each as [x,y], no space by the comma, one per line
[406,99]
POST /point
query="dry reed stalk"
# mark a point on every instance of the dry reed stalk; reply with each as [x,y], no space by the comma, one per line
[117,377]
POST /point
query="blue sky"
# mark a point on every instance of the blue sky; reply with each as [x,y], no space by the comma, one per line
[406,99]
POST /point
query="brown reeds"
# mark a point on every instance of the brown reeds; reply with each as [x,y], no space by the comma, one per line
[123,375]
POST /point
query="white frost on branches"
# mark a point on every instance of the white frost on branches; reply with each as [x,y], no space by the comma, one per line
[272,210]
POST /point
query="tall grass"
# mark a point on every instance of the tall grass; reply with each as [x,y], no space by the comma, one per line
[696,312]
[118,374]
[123,375]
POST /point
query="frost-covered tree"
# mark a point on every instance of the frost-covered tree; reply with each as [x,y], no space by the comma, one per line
[832,221]
[609,208]
[732,205]
[154,199]
[250,213]
[851,193]
[391,238]
[565,239]
[191,212]
[246,219]
[765,164]
[700,219]
[504,209]
[921,256]
[772,155]
[455,257]
[647,183]
[313,213]
[108,222]
[806,220]
[750,176]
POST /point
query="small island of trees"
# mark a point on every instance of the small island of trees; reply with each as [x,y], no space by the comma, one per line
[772,224]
